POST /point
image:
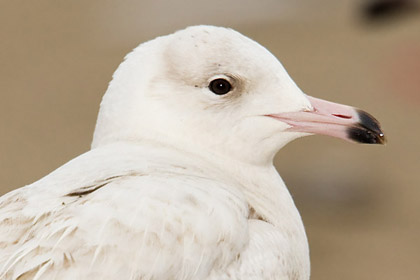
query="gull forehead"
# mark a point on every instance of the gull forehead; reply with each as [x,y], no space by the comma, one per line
[217,49]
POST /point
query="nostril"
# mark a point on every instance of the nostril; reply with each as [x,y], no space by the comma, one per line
[341,116]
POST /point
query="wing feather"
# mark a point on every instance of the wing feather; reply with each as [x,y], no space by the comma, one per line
[155,226]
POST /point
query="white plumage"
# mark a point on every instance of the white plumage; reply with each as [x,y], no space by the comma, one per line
[179,183]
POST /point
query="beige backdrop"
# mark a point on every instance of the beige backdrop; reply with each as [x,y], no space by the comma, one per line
[360,203]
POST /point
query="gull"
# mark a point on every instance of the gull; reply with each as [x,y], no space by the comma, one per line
[179,182]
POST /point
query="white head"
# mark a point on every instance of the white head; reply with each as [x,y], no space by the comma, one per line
[175,89]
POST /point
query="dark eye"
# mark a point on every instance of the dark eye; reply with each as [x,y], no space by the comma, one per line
[220,86]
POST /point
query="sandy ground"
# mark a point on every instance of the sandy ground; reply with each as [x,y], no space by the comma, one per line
[360,204]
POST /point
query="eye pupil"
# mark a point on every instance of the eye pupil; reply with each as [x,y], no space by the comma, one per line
[220,86]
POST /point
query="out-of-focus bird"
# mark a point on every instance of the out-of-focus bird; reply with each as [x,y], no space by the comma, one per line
[384,10]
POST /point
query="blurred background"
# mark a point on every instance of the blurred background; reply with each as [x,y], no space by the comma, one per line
[360,203]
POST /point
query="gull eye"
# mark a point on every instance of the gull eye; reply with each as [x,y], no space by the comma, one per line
[220,86]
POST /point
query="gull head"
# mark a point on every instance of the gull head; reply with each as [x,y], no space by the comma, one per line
[211,89]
